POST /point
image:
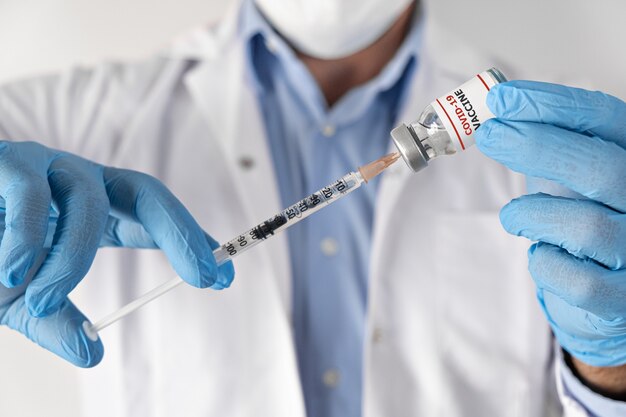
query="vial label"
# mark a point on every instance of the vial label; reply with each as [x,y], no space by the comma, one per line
[464,109]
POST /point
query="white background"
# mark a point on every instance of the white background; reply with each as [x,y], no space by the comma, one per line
[579,42]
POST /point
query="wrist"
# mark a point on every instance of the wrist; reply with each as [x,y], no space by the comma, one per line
[609,381]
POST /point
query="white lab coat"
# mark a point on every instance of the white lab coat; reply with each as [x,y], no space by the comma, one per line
[453,327]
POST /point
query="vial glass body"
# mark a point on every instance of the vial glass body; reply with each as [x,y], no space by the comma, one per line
[447,125]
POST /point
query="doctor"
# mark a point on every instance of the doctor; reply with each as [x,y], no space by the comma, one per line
[405,300]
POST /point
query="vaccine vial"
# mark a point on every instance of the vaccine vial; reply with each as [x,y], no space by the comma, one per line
[447,125]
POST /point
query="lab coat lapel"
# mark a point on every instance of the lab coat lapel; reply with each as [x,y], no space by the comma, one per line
[234,120]
[396,178]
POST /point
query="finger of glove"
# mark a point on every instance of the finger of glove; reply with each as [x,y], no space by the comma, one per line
[584,228]
[78,191]
[581,283]
[588,165]
[144,199]
[570,108]
[226,271]
[126,233]
[27,198]
[130,234]
[591,339]
[61,333]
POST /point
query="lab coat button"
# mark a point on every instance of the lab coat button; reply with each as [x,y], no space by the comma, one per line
[377,335]
[394,171]
[329,246]
[328,130]
[331,378]
[246,163]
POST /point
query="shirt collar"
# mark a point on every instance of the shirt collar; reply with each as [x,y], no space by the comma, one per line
[255,31]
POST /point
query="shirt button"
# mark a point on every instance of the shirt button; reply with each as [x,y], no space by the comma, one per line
[331,378]
[246,163]
[329,130]
[329,246]
[270,44]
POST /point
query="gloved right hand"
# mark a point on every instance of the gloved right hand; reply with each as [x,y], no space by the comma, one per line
[575,138]
[96,206]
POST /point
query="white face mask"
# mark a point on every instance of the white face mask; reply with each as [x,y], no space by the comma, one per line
[330,29]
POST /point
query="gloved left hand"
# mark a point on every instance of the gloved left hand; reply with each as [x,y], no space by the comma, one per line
[97,206]
[576,138]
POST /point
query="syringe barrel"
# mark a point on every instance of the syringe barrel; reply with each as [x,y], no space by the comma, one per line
[288,217]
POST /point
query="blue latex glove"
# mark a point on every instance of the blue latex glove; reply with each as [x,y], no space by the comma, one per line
[96,206]
[576,138]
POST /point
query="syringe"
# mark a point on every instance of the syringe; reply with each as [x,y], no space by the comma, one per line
[281,221]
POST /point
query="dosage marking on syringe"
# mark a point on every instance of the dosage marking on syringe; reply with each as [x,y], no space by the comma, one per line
[230,248]
[267,228]
[292,212]
[261,232]
[315,200]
